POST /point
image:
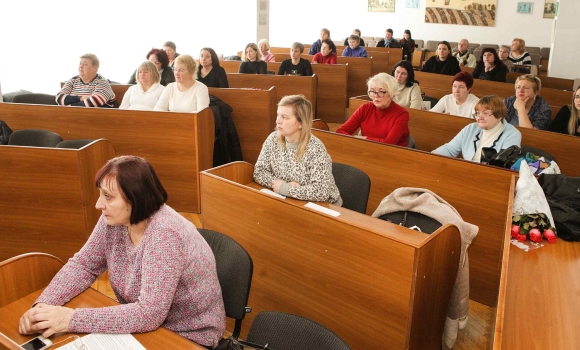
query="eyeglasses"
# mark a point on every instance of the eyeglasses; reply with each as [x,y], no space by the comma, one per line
[486,114]
[377,93]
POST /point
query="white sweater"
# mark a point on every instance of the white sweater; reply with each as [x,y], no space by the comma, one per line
[136,98]
[193,100]
[447,104]
[409,97]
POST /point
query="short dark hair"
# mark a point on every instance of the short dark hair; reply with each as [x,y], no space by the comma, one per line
[329,43]
[171,44]
[390,30]
[215,62]
[161,57]
[138,182]
[354,37]
[446,43]
[464,77]
[410,72]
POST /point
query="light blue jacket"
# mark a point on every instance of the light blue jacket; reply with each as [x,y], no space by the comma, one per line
[467,141]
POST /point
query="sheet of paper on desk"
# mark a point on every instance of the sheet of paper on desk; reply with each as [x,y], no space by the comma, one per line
[322,209]
[272,193]
[97,341]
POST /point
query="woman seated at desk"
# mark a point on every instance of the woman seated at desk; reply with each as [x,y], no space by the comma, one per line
[489,130]
[460,102]
[490,66]
[146,93]
[293,162]
[159,57]
[252,61]
[566,121]
[381,120]
[295,65]
[409,92]
[209,71]
[443,62]
[161,269]
[527,109]
[186,95]
[326,55]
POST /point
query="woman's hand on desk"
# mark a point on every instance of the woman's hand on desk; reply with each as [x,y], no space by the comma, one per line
[45,319]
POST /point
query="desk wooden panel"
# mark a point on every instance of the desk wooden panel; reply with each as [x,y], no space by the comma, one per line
[331,94]
[254,114]
[285,85]
[547,82]
[160,338]
[310,264]
[476,191]
[231,66]
[540,308]
[120,90]
[431,130]
[359,70]
[48,198]
[178,145]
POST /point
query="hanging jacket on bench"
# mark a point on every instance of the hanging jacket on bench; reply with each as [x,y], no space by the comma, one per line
[227,143]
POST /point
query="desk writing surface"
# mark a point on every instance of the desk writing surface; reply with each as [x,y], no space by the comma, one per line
[542,305]
[160,338]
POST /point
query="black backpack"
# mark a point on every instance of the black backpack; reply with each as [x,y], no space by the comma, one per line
[5,133]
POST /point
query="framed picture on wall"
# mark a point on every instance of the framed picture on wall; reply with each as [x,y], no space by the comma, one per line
[525,7]
[412,4]
[481,13]
[550,8]
[381,5]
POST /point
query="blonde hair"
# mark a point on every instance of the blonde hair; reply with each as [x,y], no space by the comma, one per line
[493,103]
[521,44]
[386,82]
[531,78]
[297,45]
[189,63]
[265,42]
[255,48]
[150,67]
[303,112]
[573,115]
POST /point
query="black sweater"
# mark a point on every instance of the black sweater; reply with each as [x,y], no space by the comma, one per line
[448,67]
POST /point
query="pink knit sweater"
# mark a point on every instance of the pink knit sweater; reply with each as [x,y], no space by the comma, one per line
[168,280]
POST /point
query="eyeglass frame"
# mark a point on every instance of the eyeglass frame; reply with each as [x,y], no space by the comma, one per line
[379,94]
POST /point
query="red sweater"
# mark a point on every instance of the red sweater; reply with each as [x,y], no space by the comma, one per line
[389,125]
[329,59]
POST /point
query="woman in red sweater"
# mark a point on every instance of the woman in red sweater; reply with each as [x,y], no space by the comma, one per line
[381,120]
[326,54]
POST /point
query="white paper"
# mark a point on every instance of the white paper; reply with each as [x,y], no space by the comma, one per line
[322,209]
[272,193]
[97,341]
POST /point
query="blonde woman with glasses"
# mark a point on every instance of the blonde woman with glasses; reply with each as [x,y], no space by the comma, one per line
[382,119]
[527,108]
[567,121]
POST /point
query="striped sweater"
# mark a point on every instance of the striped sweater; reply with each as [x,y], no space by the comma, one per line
[100,92]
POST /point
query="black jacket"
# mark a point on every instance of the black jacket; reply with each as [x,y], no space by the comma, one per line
[394,44]
[227,143]
[5,133]
[563,195]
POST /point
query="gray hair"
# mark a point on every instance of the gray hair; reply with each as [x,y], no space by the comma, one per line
[170,44]
[266,42]
[91,57]
[506,48]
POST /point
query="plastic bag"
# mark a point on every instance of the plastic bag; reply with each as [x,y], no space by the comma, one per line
[529,197]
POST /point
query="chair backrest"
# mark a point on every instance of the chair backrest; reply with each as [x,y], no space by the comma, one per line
[354,186]
[76,144]
[34,138]
[234,270]
[410,219]
[540,153]
[411,142]
[320,125]
[545,53]
[282,331]
[26,273]
[35,99]
[433,100]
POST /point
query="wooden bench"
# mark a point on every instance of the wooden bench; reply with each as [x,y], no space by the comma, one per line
[478,192]
[432,130]
[178,145]
[547,82]
[285,85]
[331,98]
[374,283]
[48,197]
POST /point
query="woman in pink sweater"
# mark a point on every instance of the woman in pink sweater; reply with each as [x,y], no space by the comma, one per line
[161,269]
[381,120]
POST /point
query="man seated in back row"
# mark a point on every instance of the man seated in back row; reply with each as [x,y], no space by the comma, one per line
[354,49]
[465,58]
[388,40]
[88,89]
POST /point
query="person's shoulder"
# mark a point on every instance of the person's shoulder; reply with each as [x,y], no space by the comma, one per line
[315,144]
[200,86]
[472,98]
[508,128]
[99,78]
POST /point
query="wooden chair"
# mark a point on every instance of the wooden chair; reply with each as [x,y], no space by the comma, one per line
[320,125]
[26,273]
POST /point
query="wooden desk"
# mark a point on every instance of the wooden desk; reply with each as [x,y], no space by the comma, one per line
[374,283]
[160,338]
[48,197]
[538,307]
